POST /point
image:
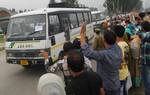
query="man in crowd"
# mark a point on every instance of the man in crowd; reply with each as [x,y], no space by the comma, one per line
[108,61]
[105,26]
[123,71]
[83,82]
[145,56]
[142,16]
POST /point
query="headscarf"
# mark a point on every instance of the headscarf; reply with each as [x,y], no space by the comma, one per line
[51,84]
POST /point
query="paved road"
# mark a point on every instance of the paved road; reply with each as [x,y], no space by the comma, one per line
[15,80]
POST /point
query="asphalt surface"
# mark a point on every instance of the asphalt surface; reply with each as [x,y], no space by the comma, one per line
[15,80]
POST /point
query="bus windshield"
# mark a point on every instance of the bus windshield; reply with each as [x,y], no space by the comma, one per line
[27,27]
[98,17]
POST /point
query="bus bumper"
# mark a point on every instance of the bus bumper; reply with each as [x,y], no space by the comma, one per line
[26,61]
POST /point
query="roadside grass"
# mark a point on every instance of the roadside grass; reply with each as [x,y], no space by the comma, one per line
[1,39]
[1,49]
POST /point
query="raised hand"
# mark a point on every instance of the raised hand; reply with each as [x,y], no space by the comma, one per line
[83,33]
[44,54]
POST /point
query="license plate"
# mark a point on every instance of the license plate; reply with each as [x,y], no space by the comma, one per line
[24,62]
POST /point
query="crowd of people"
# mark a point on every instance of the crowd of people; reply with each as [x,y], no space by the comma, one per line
[121,49]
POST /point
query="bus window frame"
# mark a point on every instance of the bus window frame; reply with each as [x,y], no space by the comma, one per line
[58,13]
[61,22]
[90,16]
[76,19]
[87,13]
[53,14]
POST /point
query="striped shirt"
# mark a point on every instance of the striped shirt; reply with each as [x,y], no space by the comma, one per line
[145,49]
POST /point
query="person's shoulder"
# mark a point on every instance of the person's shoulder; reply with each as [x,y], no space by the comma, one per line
[93,77]
[148,34]
[61,54]
[145,36]
[92,74]
[123,43]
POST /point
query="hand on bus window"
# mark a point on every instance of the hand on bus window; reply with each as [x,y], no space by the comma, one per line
[83,33]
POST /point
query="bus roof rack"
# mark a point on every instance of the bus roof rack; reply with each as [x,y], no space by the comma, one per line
[65,5]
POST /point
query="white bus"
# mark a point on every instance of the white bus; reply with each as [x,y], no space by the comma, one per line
[45,29]
[97,17]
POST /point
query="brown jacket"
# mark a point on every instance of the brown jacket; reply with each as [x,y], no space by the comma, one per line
[98,43]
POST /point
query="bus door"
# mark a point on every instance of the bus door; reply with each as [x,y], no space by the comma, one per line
[65,25]
[56,36]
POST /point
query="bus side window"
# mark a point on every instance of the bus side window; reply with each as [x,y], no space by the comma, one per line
[80,18]
[54,25]
[65,25]
[93,17]
[90,17]
[86,17]
[64,20]
[73,21]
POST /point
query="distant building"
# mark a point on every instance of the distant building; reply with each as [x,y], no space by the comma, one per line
[4,18]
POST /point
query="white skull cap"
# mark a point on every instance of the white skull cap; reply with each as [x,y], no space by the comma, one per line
[51,84]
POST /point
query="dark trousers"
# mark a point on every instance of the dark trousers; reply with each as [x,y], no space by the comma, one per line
[123,87]
[146,79]
[112,92]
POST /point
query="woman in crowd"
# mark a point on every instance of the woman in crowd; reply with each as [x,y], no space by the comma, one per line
[135,51]
[98,43]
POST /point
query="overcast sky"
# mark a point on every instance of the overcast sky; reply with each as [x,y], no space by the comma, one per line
[35,4]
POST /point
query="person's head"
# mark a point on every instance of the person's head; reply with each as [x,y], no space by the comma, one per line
[67,47]
[77,44]
[142,15]
[51,84]
[128,36]
[109,38]
[139,35]
[97,31]
[117,23]
[119,31]
[137,20]
[145,26]
[147,18]
[105,25]
[127,22]
[75,61]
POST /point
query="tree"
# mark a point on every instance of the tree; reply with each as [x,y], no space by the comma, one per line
[20,11]
[52,1]
[122,6]
[72,3]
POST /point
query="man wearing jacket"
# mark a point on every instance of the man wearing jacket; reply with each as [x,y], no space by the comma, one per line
[108,61]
